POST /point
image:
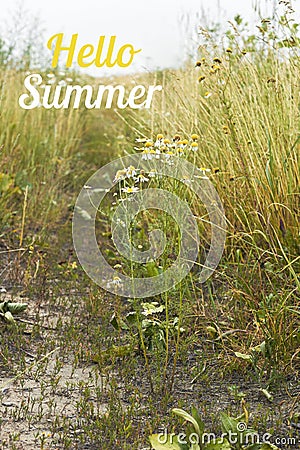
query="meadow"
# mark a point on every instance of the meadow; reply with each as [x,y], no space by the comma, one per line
[82,368]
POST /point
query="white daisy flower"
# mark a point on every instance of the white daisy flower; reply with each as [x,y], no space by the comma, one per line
[150,154]
[130,190]
[116,281]
[203,171]
[159,140]
[146,154]
[194,146]
[186,180]
[141,178]
[131,172]
[120,175]
[168,155]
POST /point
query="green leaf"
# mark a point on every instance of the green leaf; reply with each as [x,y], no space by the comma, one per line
[263,348]
[6,182]
[114,322]
[229,424]
[16,308]
[238,19]
[269,447]
[13,308]
[194,447]
[218,444]
[212,331]
[159,442]
[152,308]
[197,417]
[267,395]
[118,324]
[132,318]
[237,426]
[189,418]
[152,270]
[9,317]
[244,356]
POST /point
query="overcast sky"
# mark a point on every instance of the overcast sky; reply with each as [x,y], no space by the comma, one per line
[161,28]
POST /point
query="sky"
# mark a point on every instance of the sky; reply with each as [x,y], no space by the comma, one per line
[162,29]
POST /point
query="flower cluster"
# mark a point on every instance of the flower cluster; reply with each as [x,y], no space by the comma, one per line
[160,148]
[131,180]
[131,172]
[138,176]
[166,148]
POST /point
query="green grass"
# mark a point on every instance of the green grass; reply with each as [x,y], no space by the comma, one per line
[240,329]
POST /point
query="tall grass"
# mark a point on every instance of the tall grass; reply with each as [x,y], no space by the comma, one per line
[242,99]
[245,108]
[37,148]
[243,102]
